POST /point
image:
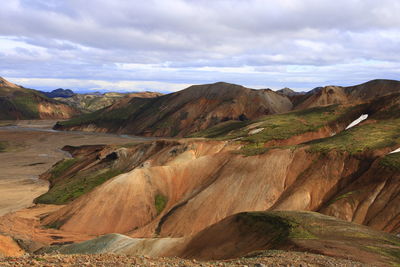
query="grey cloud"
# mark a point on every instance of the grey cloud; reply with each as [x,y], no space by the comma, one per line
[87,39]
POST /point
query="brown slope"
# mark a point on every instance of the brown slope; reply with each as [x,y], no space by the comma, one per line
[202,189]
[254,234]
[194,175]
[243,233]
[5,83]
[178,114]
[17,102]
[361,93]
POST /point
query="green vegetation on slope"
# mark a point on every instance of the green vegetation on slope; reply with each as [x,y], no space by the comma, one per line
[61,167]
[160,201]
[222,130]
[391,161]
[370,136]
[19,103]
[276,127]
[285,227]
[73,187]
[3,146]
[112,117]
[282,228]
[27,105]
[378,134]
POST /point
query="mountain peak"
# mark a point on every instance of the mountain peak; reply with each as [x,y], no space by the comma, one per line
[60,92]
[5,83]
[287,91]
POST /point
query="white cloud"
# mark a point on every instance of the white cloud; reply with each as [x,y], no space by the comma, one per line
[296,43]
[99,85]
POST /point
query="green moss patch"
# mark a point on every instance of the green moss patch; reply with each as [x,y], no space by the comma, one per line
[222,130]
[75,186]
[280,227]
[274,127]
[391,161]
[160,201]
[361,138]
[62,166]
[27,105]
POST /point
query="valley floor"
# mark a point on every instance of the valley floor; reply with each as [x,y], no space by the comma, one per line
[29,149]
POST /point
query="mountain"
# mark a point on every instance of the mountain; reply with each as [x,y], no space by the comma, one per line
[298,180]
[289,92]
[92,102]
[63,93]
[202,106]
[302,160]
[17,102]
[5,83]
[178,114]
[328,95]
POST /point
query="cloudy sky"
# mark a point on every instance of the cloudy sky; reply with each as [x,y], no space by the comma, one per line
[166,45]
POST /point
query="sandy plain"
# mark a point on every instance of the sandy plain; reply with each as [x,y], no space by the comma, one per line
[31,148]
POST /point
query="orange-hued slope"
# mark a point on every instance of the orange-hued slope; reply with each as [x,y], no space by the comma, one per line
[203,188]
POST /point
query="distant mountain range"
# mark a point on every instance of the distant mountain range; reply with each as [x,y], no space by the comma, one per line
[200,107]
[60,92]
[89,102]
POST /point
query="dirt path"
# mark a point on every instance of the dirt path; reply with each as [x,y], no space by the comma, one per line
[29,149]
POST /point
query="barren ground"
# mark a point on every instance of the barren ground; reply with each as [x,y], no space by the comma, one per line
[31,149]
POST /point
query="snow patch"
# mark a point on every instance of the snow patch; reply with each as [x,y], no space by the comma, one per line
[256,131]
[395,151]
[357,121]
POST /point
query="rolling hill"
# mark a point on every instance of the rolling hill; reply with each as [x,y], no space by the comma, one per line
[17,102]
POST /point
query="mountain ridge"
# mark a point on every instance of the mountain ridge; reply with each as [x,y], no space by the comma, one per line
[17,102]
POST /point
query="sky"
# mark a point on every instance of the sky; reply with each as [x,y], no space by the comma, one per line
[168,45]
